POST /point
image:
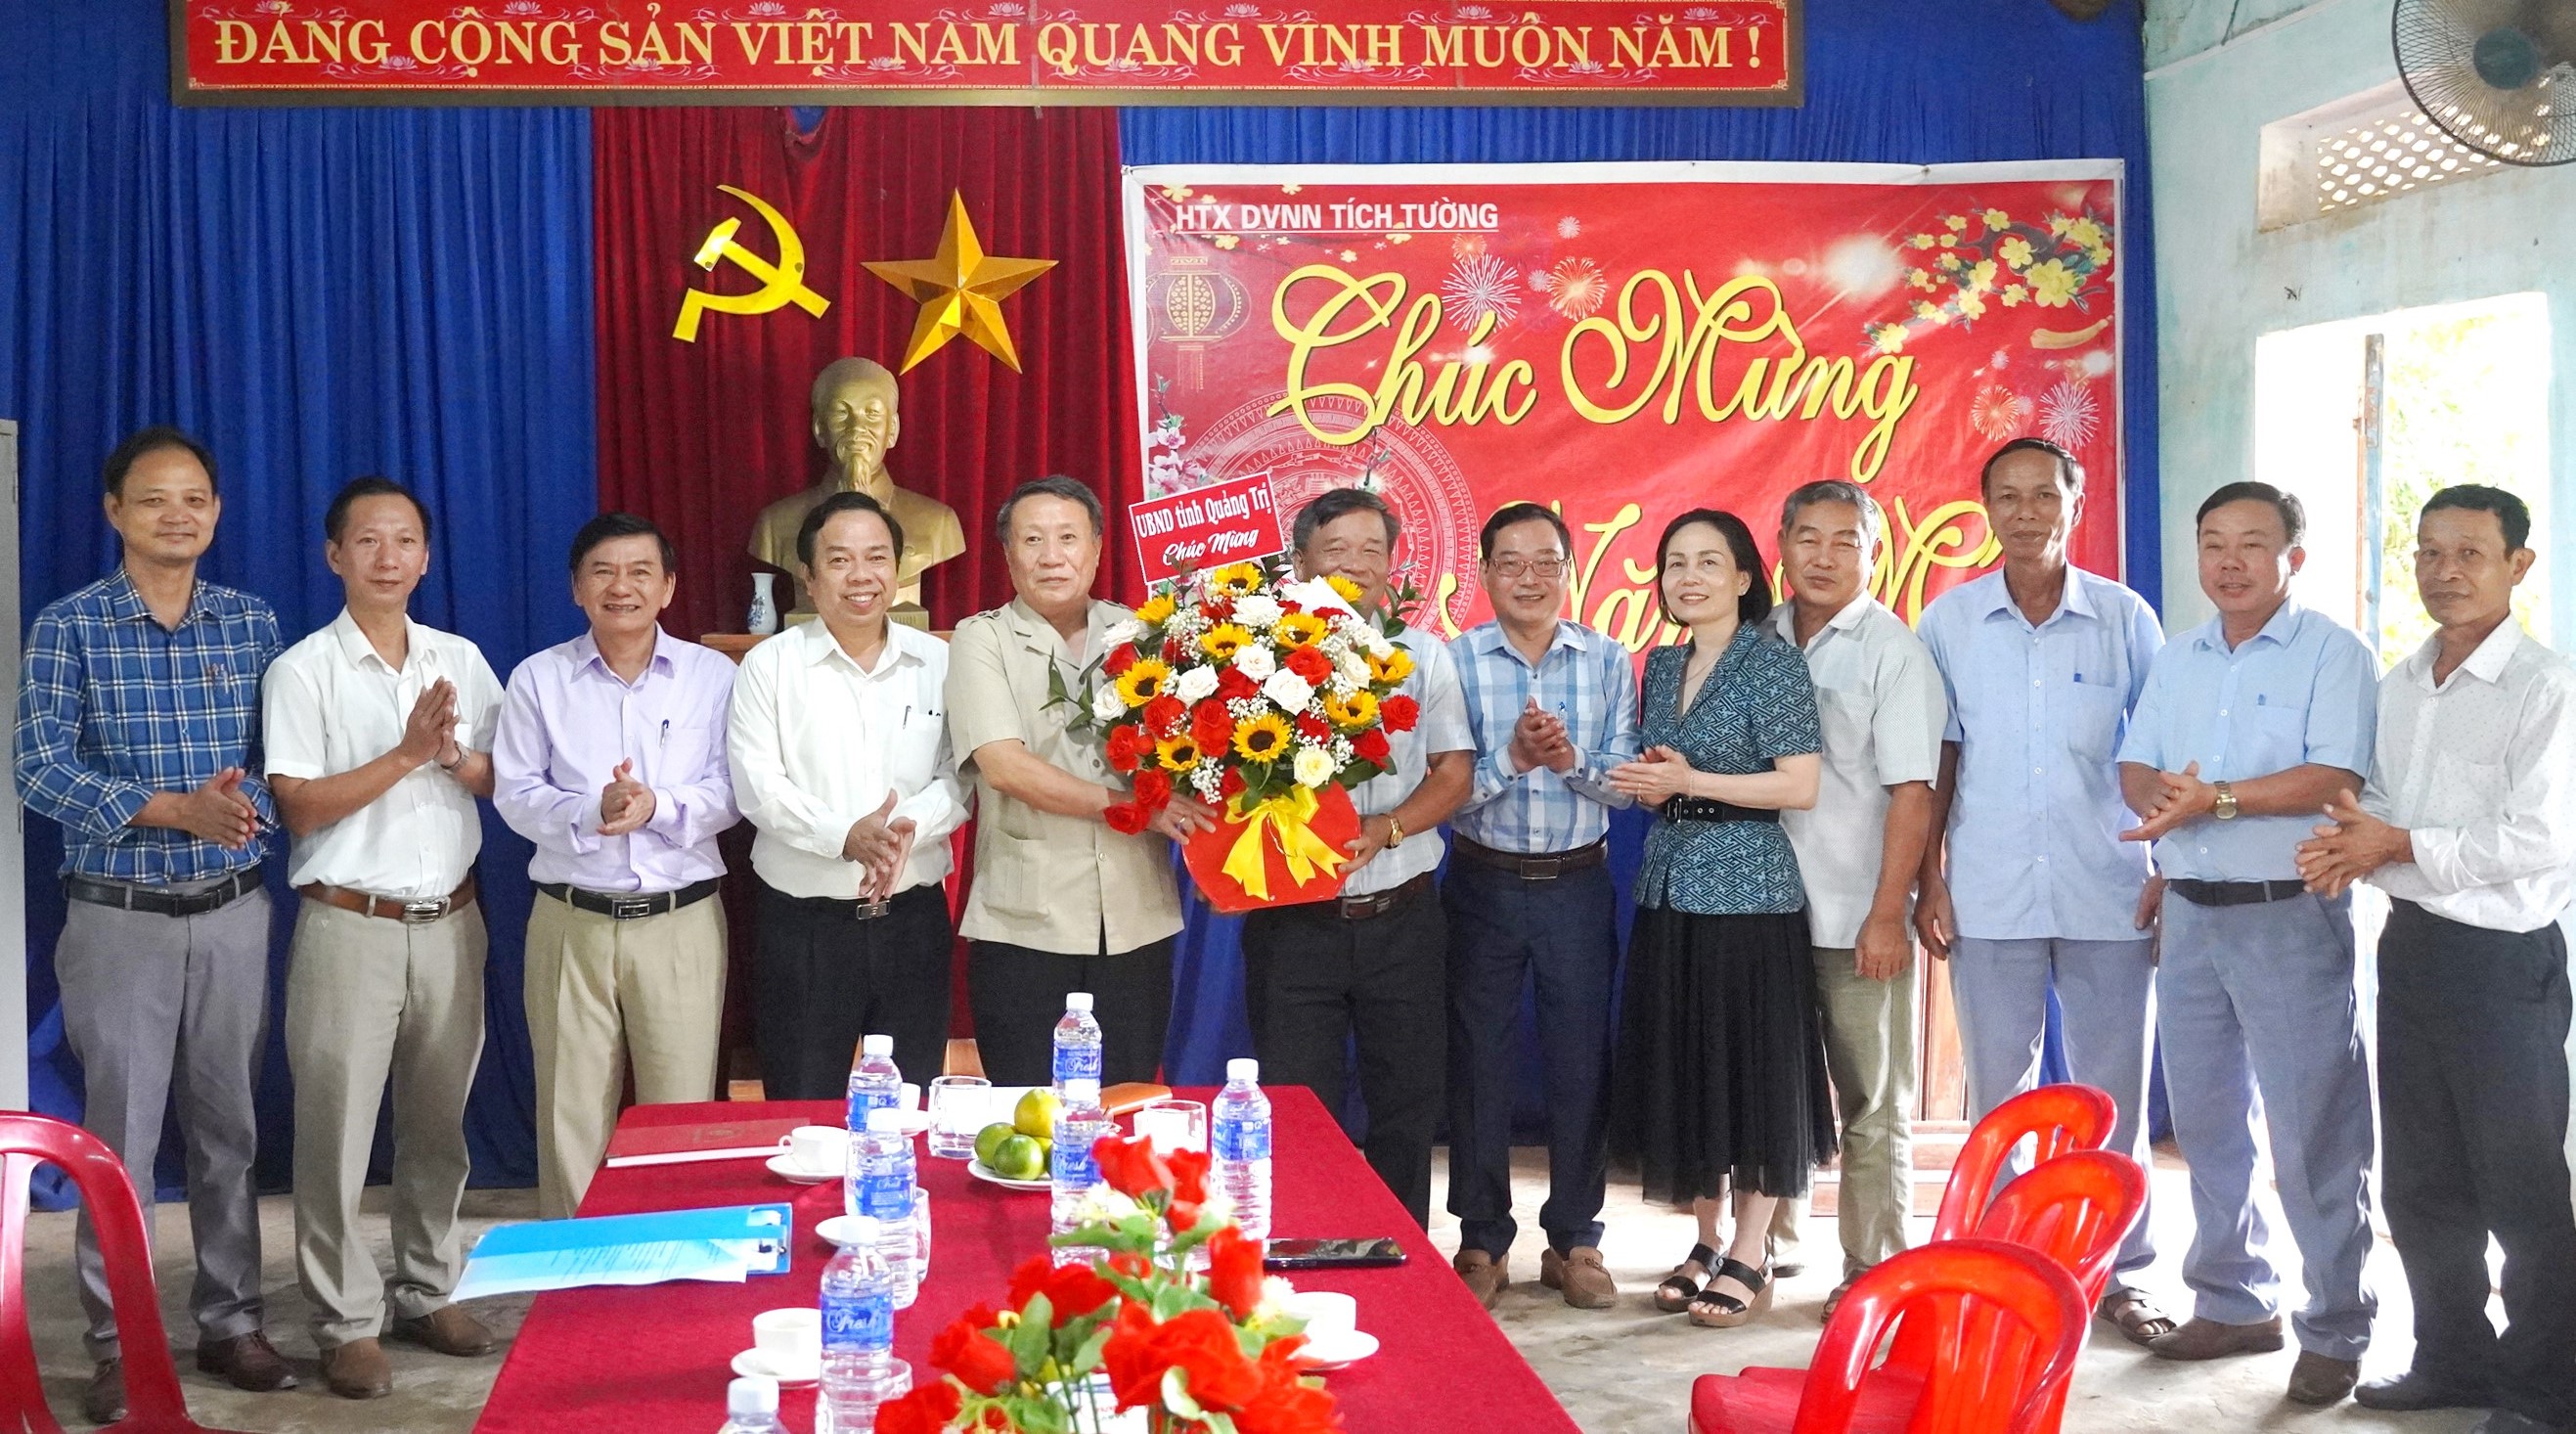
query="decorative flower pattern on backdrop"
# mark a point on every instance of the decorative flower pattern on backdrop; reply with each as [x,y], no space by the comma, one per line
[1966,263]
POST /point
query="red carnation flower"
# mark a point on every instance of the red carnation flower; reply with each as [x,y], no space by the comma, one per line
[1130,1166]
[1200,1343]
[1371,746]
[1286,1403]
[1232,685]
[1163,715]
[1234,1271]
[1120,660]
[1189,1187]
[1126,748]
[1153,789]
[1309,663]
[1399,713]
[1072,1291]
[926,1410]
[1126,818]
[980,1363]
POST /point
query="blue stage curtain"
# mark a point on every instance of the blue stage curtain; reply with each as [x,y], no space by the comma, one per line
[318,294]
[1902,84]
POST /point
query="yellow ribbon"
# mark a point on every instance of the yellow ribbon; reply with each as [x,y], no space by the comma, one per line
[1285,818]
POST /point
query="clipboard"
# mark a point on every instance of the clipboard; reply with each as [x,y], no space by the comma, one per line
[724,1244]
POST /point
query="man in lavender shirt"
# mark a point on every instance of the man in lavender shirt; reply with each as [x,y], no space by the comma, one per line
[611,758]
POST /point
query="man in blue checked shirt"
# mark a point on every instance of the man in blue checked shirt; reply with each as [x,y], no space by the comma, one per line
[138,732]
[1553,705]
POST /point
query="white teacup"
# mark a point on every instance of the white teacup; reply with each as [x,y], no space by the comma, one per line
[788,1338]
[818,1147]
[1331,1317]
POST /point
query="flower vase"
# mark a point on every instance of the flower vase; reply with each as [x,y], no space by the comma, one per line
[764,605]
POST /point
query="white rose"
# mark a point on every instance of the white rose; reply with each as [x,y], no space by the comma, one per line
[1289,690]
[1257,611]
[1195,685]
[1107,705]
[1378,644]
[1351,669]
[1256,661]
[1121,632]
[1313,767]
[1315,595]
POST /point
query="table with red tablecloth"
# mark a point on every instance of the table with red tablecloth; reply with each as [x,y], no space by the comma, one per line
[657,1357]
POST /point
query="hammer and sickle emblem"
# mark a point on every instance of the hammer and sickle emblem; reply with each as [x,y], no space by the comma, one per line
[782,283]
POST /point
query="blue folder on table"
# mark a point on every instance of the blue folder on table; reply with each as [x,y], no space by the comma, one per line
[727,1244]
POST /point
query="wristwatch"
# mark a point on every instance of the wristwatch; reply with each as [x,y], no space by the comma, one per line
[1394,832]
[2224,807]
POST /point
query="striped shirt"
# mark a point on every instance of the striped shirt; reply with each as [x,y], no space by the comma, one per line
[112,708]
[1583,677]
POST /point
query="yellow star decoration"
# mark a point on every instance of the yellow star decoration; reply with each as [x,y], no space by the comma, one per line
[960,290]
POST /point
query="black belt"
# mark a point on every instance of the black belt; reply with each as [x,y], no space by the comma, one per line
[1706,809]
[858,910]
[1546,867]
[2233,893]
[156,902]
[1363,908]
[628,905]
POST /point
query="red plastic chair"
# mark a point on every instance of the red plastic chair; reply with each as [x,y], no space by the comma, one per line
[2007,1323]
[2064,1118]
[154,1404]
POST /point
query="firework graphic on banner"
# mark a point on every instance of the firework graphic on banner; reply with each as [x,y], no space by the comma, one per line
[1998,412]
[2068,414]
[1575,287]
[1481,286]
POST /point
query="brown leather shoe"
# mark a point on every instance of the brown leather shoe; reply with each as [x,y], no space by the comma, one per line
[248,1360]
[1581,1276]
[2208,1339]
[2321,1379]
[358,1370]
[1484,1275]
[449,1330]
[104,1401]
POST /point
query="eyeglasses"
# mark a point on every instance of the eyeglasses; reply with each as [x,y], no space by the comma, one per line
[1509,568]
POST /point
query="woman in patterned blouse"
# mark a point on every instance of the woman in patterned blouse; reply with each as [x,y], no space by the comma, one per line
[1720,1076]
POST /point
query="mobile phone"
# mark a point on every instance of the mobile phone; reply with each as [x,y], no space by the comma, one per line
[1332,1254]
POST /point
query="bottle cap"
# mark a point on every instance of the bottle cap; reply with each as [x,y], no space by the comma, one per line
[876,1045]
[885,1118]
[1077,1000]
[862,1229]
[1242,1068]
[752,1394]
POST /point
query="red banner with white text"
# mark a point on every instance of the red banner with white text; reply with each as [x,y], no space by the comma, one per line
[1629,341]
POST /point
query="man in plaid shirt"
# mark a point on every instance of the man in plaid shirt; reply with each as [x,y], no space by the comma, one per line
[138,732]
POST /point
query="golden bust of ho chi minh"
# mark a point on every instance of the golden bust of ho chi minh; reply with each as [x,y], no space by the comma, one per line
[856,421]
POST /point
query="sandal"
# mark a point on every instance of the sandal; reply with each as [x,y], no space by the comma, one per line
[2136,1317]
[1716,1311]
[1678,1289]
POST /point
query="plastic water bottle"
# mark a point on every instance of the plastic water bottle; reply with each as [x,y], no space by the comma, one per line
[882,1172]
[751,1407]
[874,1081]
[1077,1043]
[1075,1170]
[860,1371]
[920,1234]
[1240,1135]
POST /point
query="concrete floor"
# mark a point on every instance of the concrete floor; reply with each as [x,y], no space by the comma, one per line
[1628,1369]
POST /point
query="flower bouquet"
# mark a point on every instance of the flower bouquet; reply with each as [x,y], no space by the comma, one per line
[1178,1352]
[1265,697]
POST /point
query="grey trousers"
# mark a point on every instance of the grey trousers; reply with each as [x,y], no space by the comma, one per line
[156,1006]
[368,998]
[2257,1010]
[2107,991]
[1871,1038]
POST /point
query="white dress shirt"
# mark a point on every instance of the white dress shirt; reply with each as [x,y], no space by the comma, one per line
[816,743]
[330,705]
[2481,771]
[1880,703]
[1441,726]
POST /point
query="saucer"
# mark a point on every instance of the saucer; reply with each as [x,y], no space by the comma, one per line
[1339,1353]
[754,1363]
[835,1229]
[981,1171]
[784,1166]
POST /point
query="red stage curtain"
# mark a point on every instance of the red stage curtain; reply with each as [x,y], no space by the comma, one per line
[698,436]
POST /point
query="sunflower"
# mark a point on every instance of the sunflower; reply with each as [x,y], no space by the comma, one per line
[1352,712]
[1157,610]
[1179,752]
[1144,681]
[1349,590]
[1299,629]
[1396,666]
[1236,579]
[1224,640]
[1263,738]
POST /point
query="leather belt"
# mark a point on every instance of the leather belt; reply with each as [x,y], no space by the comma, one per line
[1706,809]
[2233,893]
[1546,867]
[1376,904]
[628,905]
[409,913]
[865,910]
[156,902]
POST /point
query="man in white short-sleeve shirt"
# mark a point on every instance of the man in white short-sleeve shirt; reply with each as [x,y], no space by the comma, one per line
[379,734]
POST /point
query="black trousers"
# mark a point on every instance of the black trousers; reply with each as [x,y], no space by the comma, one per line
[2473,1107]
[1504,933]
[1017,994]
[1312,981]
[822,978]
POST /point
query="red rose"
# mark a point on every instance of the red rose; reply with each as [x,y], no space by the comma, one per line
[1309,663]
[1163,715]
[1171,652]
[1189,1175]
[1216,610]
[1291,605]
[926,1410]
[1371,746]
[1199,1343]
[1126,749]
[1122,658]
[979,1362]
[1211,727]
[1153,789]
[1130,1166]
[1234,1272]
[1232,685]
[1072,1291]
[1126,818]
[1313,728]
[1399,712]
[1231,785]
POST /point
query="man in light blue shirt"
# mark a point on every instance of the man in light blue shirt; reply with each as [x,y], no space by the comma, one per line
[2249,725]
[2042,662]
[1553,705]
